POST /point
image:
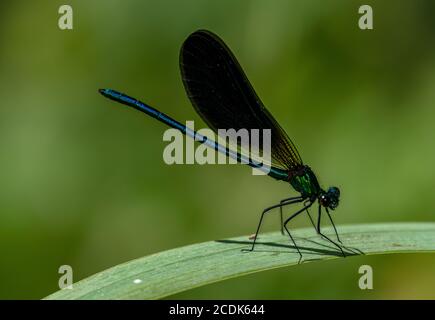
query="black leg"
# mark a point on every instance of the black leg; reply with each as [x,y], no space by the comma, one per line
[358,251]
[327,238]
[299,199]
[333,225]
[288,232]
[280,211]
[311,219]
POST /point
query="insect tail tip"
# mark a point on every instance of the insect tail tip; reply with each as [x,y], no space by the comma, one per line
[105,92]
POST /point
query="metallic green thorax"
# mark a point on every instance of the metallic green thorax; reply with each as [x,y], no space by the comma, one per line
[303,180]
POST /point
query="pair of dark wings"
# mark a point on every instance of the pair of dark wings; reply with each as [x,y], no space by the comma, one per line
[224,98]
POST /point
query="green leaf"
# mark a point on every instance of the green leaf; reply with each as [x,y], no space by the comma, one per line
[169,272]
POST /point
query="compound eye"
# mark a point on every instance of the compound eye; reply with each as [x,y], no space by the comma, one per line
[334,191]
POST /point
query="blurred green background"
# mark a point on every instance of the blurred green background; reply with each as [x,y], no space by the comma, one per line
[83,182]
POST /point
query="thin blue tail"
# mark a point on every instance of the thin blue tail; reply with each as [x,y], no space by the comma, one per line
[138,105]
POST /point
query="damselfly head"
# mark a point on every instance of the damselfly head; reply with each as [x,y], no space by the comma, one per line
[330,198]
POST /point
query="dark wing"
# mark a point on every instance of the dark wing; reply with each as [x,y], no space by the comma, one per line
[222,95]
